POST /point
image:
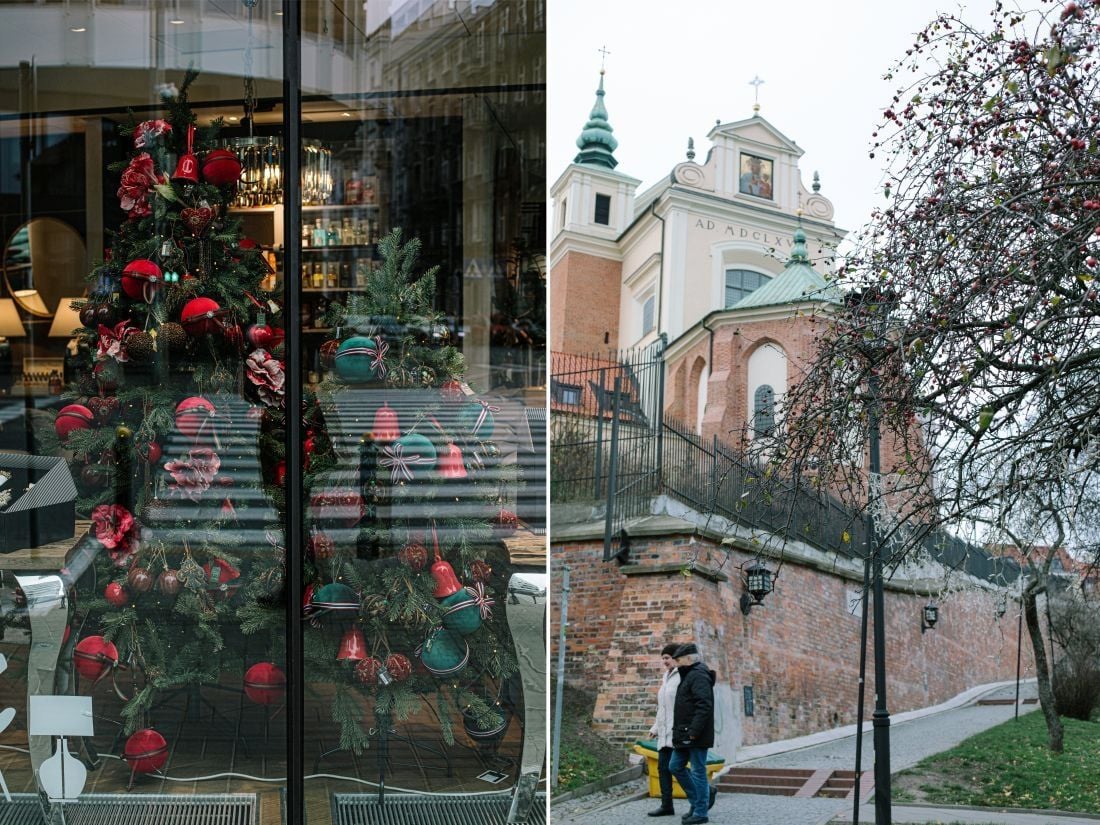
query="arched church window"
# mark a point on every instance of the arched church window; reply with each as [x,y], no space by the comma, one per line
[763,410]
[647,315]
[742,282]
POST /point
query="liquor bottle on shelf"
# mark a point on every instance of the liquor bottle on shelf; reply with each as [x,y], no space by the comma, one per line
[353,189]
[320,236]
[331,272]
[317,279]
[332,237]
[362,272]
[345,274]
[307,235]
[319,313]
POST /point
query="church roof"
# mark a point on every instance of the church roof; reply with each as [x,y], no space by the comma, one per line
[596,141]
[796,284]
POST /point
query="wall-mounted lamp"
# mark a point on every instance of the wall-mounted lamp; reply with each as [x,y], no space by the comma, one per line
[929,615]
[66,321]
[759,581]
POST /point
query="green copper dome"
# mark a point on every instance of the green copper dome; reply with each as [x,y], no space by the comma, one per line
[797,283]
[596,141]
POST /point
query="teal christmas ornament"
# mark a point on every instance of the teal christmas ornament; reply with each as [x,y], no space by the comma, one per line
[444,653]
[477,419]
[360,360]
[409,457]
[461,612]
[337,597]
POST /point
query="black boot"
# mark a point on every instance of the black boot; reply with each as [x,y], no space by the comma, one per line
[664,810]
[713,797]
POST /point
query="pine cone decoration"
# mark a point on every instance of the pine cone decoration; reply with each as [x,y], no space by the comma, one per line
[172,336]
[480,570]
[140,347]
[414,555]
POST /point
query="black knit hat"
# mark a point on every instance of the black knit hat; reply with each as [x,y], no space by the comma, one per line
[668,650]
[686,649]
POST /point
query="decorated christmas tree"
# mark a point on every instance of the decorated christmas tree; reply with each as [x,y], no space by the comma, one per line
[414,590]
[176,432]
[180,389]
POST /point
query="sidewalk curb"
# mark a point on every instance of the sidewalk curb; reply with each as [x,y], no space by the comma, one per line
[1000,810]
[625,775]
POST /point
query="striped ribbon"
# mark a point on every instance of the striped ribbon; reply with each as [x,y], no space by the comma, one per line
[400,464]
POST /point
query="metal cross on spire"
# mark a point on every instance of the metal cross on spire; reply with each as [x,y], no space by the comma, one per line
[603,56]
[756,82]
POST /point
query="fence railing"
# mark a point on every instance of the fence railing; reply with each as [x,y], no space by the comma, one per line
[612,443]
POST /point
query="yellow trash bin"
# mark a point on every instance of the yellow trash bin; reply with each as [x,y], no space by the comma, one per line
[649,750]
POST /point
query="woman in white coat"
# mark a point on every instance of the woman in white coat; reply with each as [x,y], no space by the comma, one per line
[662,728]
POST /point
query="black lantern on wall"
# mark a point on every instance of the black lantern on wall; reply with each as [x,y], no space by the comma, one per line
[929,615]
[759,581]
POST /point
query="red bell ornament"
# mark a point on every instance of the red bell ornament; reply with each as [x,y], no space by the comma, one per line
[141,279]
[353,647]
[187,169]
[201,316]
[451,464]
[446,582]
[386,426]
[221,167]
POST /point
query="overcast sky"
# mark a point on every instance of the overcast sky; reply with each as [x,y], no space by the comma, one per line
[674,68]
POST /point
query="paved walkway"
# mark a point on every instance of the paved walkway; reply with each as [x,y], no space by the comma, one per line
[910,741]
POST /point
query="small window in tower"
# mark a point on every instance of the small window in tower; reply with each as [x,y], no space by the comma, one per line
[741,283]
[763,410]
[603,209]
[647,315]
[564,212]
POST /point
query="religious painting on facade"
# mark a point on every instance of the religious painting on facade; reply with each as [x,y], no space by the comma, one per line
[756,176]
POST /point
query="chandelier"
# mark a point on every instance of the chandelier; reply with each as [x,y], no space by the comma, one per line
[261,182]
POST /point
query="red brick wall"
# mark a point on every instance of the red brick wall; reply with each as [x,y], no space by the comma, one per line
[584,304]
[800,651]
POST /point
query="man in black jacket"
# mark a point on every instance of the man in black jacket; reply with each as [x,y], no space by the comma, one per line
[693,731]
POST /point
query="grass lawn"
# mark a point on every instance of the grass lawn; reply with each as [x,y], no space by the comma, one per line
[585,756]
[1011,766]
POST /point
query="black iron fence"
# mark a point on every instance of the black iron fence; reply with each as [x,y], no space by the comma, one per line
[612,444]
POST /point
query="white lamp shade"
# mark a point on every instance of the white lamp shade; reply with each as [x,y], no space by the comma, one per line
[11,325]
[66,320]
[32,301]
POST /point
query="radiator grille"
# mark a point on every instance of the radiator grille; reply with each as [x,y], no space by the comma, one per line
[363,809]
[147,809]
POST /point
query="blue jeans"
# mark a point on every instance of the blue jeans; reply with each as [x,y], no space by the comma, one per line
[694,781]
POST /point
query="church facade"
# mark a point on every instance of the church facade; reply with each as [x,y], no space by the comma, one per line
[721,270]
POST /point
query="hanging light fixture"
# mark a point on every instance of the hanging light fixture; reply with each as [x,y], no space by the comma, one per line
[929,615]
[759,582]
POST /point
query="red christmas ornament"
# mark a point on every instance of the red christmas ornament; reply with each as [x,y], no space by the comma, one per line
[264,683]
[94,656]
[146,751]
[151,452]
[193,416]
[233,335]
[141,279]
[262,336]
[506,521]
[481,571]
[168,582]
[399,666]
[452,392]
[222,576]
[451,463]
[221,167]
[140,579]
[446,582]
[353,646]
[106,376]
[414,555]
[367,671]
[198,218]
[187,169]
[201,316]
[104,409]
[280,474]
[386,426]
[328,353]
[72,417]
[116,595]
